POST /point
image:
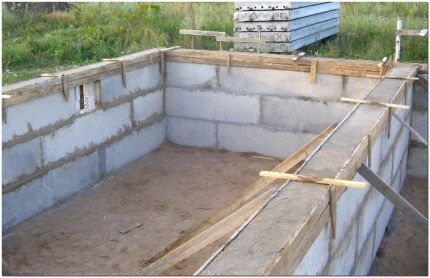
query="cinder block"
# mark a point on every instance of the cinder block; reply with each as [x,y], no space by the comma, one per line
[280,83]
[148,105]
[90,129]
[302,115]
[44,192]
[368,216]
[263,140]
[417,161]
[137,80]
[358,87]
[365,259]
[21,159]
[317,255]
[35,114]
[381,224]
[209,105]
[190,132]
[420,123]
[347,210]
[191,75]
[135,145]
[344,258]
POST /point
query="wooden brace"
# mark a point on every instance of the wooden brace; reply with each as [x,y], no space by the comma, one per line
[313,71]
[123,70]
[162,62]
[228,62]
[64,83]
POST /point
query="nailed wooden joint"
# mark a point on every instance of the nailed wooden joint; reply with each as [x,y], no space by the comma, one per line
[313,71]
[3,110]
[65,84]
[123,69]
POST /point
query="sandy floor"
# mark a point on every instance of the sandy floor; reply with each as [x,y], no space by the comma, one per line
[404,248]
[169,191]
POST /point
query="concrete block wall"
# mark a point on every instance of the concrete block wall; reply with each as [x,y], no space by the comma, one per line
[418,152]
[267,111]
[52,148]
[363,214]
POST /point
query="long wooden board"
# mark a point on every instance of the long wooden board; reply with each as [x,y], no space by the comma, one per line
[225,226]
[250,192]
[326,181]
[401,203]
[365,101]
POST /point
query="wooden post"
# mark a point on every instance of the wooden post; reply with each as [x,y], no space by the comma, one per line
[193,22]
[369,150]
[394,197]
[313,71]
[4,110]
[398,40]
[220,46]
[65,84]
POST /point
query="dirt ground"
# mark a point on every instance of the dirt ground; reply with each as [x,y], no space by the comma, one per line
[404,248]
[168,191]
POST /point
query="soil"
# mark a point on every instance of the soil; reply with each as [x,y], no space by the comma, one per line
[404,248]
[167,191]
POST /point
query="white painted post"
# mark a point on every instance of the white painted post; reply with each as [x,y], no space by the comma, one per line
[398,38]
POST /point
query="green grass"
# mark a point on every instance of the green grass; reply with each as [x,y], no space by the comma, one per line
[36,42]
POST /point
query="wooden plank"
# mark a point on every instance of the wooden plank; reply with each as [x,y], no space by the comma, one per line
[395,198]
[250,192]
[365,101]
[201,33]
[411,129]
[215,232]
[392,77]
[422,33]
[240,40]
[40,87]
[313,71]
[311,179]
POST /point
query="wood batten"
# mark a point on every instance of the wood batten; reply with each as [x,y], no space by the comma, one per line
[279,62]
[40,87]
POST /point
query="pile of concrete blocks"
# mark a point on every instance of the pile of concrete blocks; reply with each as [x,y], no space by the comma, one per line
[286,26]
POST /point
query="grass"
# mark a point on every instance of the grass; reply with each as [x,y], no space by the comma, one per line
[37,42]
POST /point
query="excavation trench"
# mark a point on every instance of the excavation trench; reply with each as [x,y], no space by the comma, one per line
[159,146]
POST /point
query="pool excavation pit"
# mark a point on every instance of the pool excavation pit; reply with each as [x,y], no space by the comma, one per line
[150,164]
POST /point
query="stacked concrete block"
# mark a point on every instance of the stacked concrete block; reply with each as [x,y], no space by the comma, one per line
[285,26]
[251,110]
[53,147]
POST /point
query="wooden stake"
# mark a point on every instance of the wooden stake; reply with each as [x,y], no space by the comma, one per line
[394,197]
[65,84]
[313,71]
[333,212]
[220,46]
[4,110]
[365,101]
[419,137]
[311,179]
[228,62]
[162,62]
[122,68]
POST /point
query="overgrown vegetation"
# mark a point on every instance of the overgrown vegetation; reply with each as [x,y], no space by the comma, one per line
[35,42]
